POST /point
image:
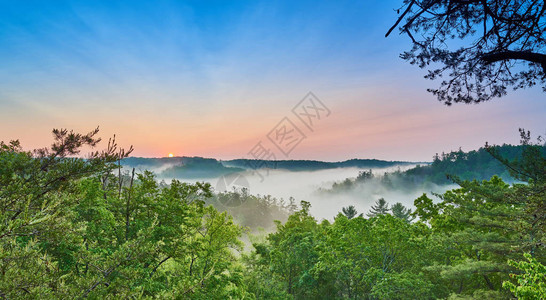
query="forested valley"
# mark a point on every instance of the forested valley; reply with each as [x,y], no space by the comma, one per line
[83,228]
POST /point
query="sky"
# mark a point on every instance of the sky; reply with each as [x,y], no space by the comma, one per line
[216,78]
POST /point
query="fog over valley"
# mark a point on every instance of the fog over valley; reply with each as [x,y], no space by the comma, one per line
[305,185]
[257,192]
[310,186]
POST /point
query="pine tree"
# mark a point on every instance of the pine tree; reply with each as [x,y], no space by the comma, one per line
[401,212]
[349,211]
[381,207]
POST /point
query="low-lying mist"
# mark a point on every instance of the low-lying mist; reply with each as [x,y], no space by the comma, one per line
[313,186]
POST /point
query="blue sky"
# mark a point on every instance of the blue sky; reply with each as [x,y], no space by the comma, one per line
[211,78]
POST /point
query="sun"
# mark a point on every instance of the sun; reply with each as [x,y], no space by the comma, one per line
[171,155]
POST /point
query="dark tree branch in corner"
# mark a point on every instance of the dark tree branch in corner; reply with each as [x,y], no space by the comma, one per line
[513,34]
[539,58]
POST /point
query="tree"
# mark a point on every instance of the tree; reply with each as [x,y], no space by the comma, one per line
[35,207]
[503,45]
[481,225]
[401,212]
[164,242]
[529,167]
[349,211]
[31,181]
[381,207]
[292,252]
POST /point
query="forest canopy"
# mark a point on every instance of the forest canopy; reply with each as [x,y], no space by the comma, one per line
[80,228]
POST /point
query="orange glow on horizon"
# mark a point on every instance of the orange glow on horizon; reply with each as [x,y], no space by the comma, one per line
[171,155]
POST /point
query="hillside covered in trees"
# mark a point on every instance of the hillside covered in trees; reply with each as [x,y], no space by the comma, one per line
[481,164]
[79,228]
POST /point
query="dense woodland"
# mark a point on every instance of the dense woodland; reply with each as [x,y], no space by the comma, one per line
[445,168]
[80,228]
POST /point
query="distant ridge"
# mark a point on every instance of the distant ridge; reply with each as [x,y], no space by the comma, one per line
[314,165]
[200,167]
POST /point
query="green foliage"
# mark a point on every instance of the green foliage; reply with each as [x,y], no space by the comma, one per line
[481,225]
[531,283]
[350,258]
[71,229]
[458,249]
[403,286]
[36,194]
[155,241]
